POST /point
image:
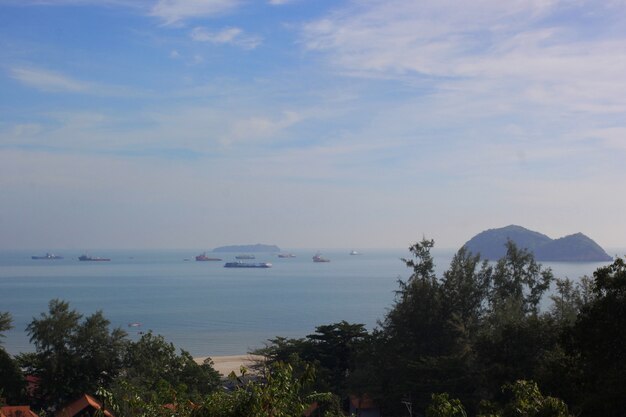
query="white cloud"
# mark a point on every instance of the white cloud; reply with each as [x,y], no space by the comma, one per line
[169,11]
[175,11]
[49,81]
[251,128]
[232,35]
[520,51]
[280,2]
[54,82]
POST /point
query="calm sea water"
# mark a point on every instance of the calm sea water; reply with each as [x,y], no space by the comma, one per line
[205,308]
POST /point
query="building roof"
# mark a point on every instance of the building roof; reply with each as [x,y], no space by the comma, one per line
[17,411]
[362,402]
[75,407]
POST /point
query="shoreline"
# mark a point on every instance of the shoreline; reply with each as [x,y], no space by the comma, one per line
[226,364]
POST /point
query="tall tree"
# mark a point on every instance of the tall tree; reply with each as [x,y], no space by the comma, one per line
[151,364]
[72,356]
[518,280]
[12,383]
[420,336]
[5,323]
[599,339]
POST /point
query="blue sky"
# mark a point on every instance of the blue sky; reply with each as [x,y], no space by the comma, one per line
[309,123]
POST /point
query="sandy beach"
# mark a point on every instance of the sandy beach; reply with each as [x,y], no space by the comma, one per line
[227,364]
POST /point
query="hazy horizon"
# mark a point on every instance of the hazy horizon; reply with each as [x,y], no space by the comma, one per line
[326,124]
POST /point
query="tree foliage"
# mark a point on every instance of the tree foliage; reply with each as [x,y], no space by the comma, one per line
[73,355]
[275,392]
[152,365]
[331,349]
[598,339]
[76,355]
[11,379]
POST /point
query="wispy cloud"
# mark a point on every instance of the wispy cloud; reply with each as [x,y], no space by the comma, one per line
[521,49]
[55,82]
[231,35]
[280,2]
[49,81]
[170,12]
[176,11]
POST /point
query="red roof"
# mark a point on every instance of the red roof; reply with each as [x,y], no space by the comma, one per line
[74,408]
[362,402]
[17,411]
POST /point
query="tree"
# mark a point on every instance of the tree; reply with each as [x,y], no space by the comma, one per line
[525,400]
[421,346]
[443,406]
[465,288]
[275,392]
[152,365]
[72,356]
[12,383]
[519,281]
[332,350]
[598,339]
[5,324]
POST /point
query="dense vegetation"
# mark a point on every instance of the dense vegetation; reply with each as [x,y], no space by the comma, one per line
[470,342]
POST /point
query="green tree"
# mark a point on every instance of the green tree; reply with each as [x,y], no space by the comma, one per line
[72,356]
[5,324]
[12,383]
[598,339]
[153,366]
[275,392]
[421,346]
[518,280]
[443,406]
[525,400]
[332,350]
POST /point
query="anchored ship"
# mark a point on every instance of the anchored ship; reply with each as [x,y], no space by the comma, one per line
[318,258]
[203,257]
[92,258]
[239,264]
[47,256]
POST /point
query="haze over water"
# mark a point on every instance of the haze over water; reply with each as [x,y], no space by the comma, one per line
[207,309]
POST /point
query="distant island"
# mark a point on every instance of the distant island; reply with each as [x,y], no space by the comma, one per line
[491,244]
[248,248]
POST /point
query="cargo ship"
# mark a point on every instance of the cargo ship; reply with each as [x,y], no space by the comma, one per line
[93,258]
[203,257]
[319,258]
[239,264]
[47,256]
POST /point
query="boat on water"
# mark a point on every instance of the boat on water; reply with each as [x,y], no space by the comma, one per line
[354,253]
[203,257]
[93,258]
[47,256]
[239,264]
[319,258]
[135,324]
[245,257]
[286,255]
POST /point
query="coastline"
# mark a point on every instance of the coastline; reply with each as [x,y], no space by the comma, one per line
[230,363]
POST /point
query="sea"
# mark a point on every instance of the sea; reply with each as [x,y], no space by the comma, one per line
[209,310]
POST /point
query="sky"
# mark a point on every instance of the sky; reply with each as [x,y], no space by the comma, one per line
[309,123]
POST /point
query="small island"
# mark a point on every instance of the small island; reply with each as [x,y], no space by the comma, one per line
[491,245]
[259,247]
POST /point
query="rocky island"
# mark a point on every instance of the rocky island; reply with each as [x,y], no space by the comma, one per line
[491,244]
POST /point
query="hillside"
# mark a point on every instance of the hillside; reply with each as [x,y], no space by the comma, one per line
[491,244]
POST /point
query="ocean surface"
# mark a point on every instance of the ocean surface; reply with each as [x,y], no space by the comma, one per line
[205,308]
